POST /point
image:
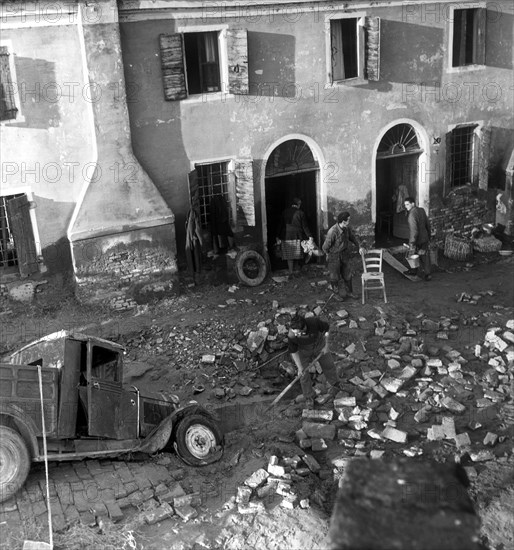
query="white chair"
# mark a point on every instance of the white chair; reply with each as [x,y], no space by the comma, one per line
[373,276]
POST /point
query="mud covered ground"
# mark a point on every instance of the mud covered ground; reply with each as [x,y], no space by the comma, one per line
[165,345]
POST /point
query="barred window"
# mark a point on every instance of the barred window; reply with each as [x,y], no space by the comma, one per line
[461,155]
[8,110]
[213,180]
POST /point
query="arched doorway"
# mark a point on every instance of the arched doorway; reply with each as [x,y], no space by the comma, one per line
[397,176]
[291,171]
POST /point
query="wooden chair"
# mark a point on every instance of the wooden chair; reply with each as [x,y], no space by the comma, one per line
[373,276]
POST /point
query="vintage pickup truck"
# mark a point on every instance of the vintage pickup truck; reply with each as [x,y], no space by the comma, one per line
[87,410]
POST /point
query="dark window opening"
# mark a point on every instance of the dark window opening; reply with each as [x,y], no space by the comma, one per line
[461,156]
[344,54]
[105,364]
[202,62]
[213,180]
[466,47]
[8,110]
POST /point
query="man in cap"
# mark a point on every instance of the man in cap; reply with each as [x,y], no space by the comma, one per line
[337,249]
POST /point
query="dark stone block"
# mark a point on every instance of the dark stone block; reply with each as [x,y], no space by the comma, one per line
[405,505]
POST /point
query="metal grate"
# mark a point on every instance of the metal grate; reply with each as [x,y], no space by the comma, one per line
[8,255]
[213,180]
[462,156]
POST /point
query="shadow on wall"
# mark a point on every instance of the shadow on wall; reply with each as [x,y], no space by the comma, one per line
[502,144]
[57,257]
[39,93]
[271,64]
[410,53]
[154,122]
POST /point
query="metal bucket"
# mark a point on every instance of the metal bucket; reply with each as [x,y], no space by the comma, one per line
[413,261]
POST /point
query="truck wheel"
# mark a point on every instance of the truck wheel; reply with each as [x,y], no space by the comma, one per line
[14,462]
[198,440]
[251,267]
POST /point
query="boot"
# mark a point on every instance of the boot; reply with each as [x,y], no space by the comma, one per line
[349,285]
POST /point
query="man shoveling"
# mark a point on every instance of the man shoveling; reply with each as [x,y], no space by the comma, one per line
[307,343]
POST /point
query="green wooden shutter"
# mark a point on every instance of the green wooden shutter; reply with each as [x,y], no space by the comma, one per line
[245,202]
[483,158]
[237,52]
[372,28]
[172,64]
[8,108]
[18,212]
[479,44]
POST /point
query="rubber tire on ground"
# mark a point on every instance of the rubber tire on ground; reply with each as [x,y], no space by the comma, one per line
[14,462]
[259,263]
[181,440]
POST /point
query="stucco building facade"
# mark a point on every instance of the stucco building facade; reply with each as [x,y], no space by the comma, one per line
[342,104]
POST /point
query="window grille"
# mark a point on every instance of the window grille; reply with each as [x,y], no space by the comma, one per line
[213,180]
[462,156]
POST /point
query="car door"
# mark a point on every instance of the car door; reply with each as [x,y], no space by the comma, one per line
[104,386]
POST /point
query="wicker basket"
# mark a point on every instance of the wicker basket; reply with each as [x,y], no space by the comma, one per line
[457,248]
[487,244]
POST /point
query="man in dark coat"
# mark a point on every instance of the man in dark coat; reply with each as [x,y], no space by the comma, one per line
[419,236]
[308,340]
[337,248]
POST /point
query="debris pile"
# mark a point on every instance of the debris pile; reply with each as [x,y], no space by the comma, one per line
[290,480]
[413,394]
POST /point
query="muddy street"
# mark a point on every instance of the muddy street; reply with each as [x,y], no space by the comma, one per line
[427,376]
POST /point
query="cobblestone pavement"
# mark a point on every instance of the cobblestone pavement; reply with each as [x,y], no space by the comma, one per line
[79,490]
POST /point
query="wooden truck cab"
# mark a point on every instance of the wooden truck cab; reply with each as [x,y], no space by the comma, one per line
[88,412]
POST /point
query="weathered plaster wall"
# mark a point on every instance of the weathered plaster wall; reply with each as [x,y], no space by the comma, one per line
[345,121]
[49,147]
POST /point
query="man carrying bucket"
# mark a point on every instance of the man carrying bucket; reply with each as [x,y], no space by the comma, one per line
[419,236]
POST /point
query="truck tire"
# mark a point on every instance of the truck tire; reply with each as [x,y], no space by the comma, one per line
[14,462]
[251,267]
[198,440]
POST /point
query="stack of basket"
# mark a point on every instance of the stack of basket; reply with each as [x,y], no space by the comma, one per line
[458,248]
[487,243]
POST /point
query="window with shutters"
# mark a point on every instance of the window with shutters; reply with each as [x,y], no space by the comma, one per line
[229,180]
[353,48]
[468,37]
[204,62]
[8,109]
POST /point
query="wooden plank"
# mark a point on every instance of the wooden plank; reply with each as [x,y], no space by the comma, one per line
[401,268]
[18,211]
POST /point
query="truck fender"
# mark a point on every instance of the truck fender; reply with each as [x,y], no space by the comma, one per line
[158,437]
[15,417]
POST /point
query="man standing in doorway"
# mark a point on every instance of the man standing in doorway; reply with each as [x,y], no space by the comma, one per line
[337,249]
[419,237]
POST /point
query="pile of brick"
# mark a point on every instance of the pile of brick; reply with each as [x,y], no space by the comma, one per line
[285,478]
[419,393]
